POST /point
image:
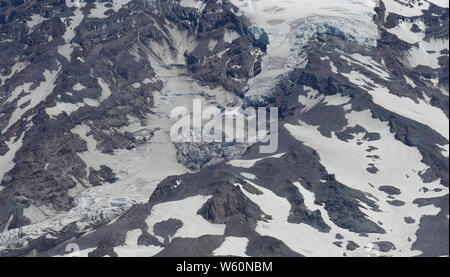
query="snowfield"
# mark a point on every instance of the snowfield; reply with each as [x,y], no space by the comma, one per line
[403,8]
[194,225]
[419,110]
[138,170]
[398,165]
[360,163]
[290,25]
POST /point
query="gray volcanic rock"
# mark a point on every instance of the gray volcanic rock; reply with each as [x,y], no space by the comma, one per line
[200,155]
[226,202]
[384,246]
[434,232]
[48,166]
[351,246]
[269,247]
[390,190]
[167,229]
[189,247]
[86,162]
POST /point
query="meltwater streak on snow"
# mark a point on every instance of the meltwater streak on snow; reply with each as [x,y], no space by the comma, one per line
[421,112]
[399,165]
[290,24]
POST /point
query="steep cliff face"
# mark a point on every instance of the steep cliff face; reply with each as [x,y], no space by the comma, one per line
[85,155]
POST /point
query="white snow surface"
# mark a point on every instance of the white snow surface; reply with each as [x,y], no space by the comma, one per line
[440,3]
[34,96]
[72,107]
[289,25]
[232,246]
[7,160]
[16,68]
[194,225]
[419,110]
[313,98]
[301,238]
[403,31]
[405,7]
[427,53]
[196,4]
[138,170]
[132,249]
[230,35]
[72,23]
[36,19]
[398,165]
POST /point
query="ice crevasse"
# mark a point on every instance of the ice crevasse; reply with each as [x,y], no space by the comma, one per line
[290,24]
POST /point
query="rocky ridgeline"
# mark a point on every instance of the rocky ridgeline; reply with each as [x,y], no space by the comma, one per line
[94,77]
[321,92]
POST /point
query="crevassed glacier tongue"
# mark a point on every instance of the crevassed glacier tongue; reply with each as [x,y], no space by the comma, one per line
[291,24]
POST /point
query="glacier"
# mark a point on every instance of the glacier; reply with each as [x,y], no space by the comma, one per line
[289,26]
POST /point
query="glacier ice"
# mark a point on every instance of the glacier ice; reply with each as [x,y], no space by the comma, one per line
[289,26]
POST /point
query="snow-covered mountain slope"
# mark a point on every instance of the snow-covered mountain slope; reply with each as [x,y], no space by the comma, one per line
[85,156]
[103,121]
[289,26]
